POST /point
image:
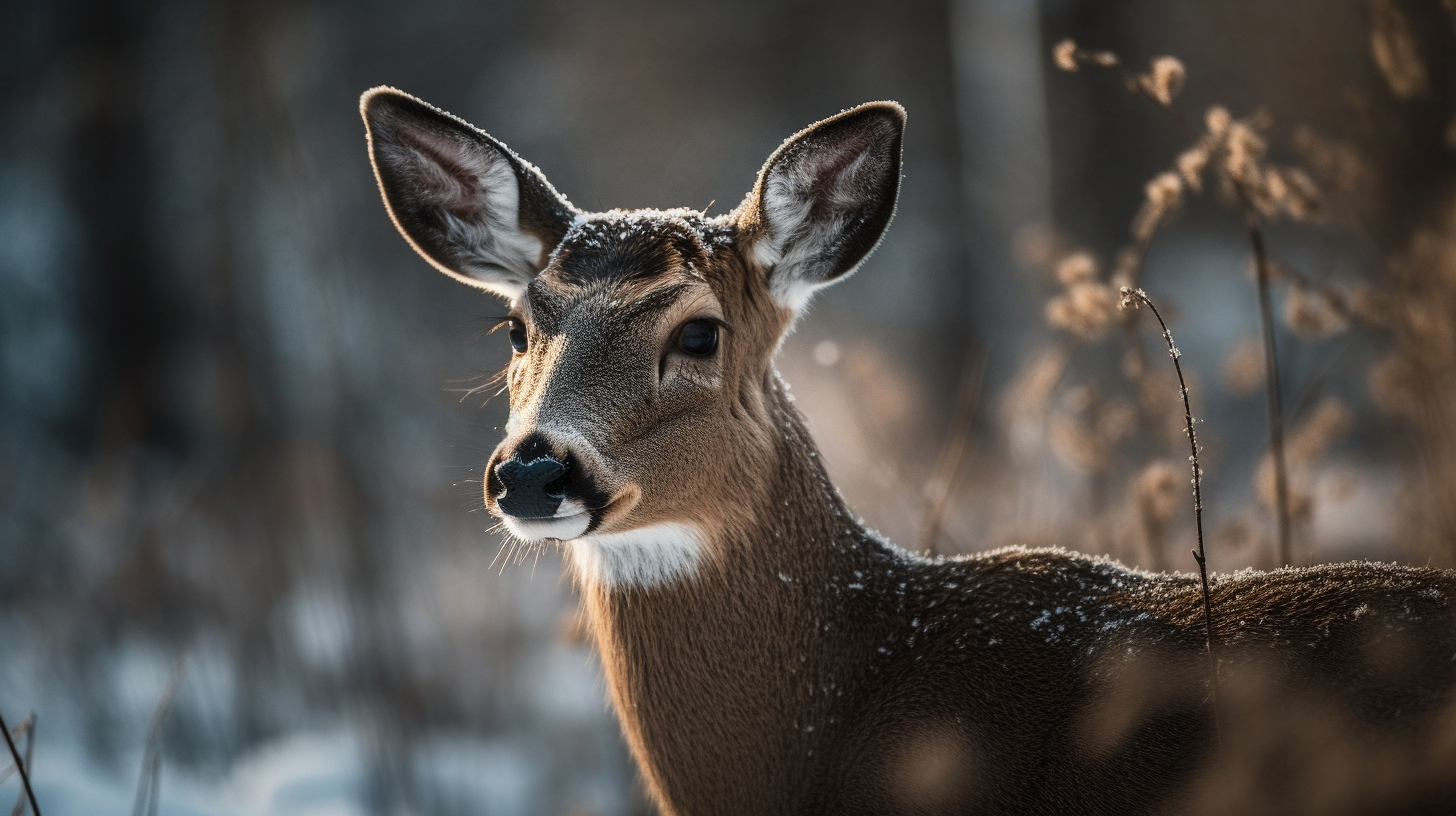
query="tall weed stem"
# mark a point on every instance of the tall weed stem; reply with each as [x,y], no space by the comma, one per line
[1271,383]
[20,766]
[1132,298]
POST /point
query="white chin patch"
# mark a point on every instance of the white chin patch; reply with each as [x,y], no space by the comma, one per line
[645,557]
[569,522]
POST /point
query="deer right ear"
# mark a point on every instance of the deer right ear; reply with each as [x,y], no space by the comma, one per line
[823,200]
[463,200]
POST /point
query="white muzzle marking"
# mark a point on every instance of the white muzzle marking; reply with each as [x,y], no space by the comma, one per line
[645,557]
[570,521]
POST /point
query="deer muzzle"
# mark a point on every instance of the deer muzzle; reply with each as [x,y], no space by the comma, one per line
[540,491]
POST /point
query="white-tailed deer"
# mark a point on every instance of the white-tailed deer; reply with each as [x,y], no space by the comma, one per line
[765,651]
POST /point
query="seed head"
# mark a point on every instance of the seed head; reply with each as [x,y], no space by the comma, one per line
[1079,267]
[1065,55]
[1165,191]
[1395,51]
[1217,120]
[1164,194]
[1190,166]
[1244,150]
[1165,79]
[1084,309]
[1299,198]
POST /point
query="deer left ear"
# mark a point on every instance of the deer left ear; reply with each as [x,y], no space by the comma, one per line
[471,207]
[823,200]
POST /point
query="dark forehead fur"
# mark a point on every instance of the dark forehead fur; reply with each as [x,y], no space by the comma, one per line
[626,247]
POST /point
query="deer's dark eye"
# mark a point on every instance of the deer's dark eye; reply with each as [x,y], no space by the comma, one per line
[518,336]
[698,337]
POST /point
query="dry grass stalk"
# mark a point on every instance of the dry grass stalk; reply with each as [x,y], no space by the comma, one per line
[1162,82]
[1261,190]
[1084,309]
[1068,57]
[1132,298]
[1271,389]
[20,766]
[948,467]
[23,729]
[149,785]
[28,726]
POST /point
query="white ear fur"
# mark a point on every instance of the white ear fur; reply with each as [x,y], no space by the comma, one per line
[492,250]
[459,196]
[795,238]
[824,199]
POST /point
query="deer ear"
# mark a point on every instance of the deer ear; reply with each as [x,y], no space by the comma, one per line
[463,200]
[823,200]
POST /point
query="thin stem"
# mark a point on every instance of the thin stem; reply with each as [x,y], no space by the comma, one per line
[149,785]
[1271,381]
[953,454]
[28,726]
[20,766]
[1132,297]
[1261,259]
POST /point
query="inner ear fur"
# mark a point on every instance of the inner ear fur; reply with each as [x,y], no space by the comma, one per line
[823,200]
[467,203]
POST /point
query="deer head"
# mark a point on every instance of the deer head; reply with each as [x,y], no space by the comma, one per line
[643,340]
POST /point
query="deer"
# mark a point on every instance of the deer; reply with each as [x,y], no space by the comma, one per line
[765,651]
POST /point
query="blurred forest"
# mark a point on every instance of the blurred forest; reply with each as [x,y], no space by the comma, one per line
[239,486]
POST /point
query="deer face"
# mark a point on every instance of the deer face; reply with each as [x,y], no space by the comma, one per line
[642,340]
[634,382]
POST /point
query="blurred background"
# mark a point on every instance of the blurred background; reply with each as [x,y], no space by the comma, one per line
[243,563]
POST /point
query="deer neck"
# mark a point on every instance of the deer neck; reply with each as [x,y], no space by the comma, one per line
[723,673]
[789,516]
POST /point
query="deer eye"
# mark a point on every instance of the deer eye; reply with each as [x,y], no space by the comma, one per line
[517,334]
[698,337]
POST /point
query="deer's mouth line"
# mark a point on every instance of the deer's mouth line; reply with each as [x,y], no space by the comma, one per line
[561,526]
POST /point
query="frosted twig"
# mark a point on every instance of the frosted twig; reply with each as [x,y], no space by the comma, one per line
[1131,298]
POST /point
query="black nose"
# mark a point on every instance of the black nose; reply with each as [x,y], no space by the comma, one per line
[532,489]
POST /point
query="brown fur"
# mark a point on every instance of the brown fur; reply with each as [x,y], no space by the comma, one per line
[808,666]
